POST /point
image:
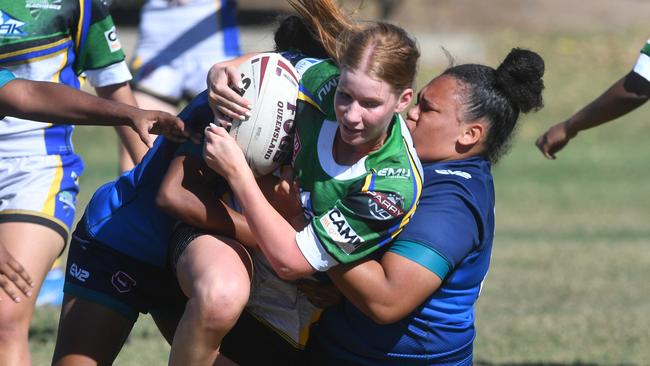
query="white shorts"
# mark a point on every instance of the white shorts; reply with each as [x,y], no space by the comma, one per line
[40,189]
[177,46]
[280,305]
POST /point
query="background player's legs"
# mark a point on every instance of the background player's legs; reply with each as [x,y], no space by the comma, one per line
[89,333]
[215,274]
[35,247]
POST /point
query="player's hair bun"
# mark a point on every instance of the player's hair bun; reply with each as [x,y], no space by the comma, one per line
[520,77]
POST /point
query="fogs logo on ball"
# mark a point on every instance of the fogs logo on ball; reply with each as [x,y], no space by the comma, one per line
[111,39]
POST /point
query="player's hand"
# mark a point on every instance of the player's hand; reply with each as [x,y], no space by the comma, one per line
[14,279]
[146,123]
[286,198]
[222,154]
[320,294]
[555,139]
[224,95]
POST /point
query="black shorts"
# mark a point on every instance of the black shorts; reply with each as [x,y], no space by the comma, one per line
[99,273]
[250,342]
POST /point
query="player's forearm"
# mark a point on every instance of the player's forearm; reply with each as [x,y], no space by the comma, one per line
[366,286]
[275,236]
[185,195]
[60,104]
[122,93]
[625,95]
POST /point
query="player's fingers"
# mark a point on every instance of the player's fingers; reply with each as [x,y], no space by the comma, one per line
[20,271]
[8,288]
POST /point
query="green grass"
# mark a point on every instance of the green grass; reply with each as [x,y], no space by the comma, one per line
[568,281]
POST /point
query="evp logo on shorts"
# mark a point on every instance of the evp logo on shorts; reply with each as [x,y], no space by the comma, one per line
[122,282]
[78,272]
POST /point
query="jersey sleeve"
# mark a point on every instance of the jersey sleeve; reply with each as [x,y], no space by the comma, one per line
[366,219]
[98,50]
[445,229]
[642,66]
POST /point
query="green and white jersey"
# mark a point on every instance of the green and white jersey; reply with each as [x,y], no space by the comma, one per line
[642,66]
[56,41]
[356,209]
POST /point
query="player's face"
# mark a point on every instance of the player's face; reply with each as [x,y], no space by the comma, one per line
[435,120]
[364,109]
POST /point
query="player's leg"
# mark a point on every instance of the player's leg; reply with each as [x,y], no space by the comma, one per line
[35,247]
[89,333]
[215,274]
[37,207]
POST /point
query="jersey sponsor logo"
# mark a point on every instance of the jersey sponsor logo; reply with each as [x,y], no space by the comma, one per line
[325,89]
[402,173]
[10,26]
[338,228]
[111,39]
[78,272]
[385,206]
[459,173]
[122,282]
[43,4]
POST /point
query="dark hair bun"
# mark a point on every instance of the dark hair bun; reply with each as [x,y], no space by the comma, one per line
[520,75]
[293,34]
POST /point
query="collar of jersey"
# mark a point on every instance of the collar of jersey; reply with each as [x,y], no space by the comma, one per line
[326,159]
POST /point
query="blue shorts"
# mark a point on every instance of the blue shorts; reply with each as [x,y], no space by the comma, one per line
[98,273]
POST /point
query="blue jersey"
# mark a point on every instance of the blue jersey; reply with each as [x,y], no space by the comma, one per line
[451,234]
[122,214]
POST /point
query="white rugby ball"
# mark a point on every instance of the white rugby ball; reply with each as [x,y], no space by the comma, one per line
[270,83]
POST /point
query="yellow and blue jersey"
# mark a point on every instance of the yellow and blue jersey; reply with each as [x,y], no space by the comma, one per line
[55,41]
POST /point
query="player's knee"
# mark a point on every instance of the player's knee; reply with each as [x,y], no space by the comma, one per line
[13,328]
[219,305]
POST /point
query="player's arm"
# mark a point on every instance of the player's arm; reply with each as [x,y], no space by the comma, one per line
[33,100]
[276,237]
[122,93]
[386,290]
[627,94]
[187,192]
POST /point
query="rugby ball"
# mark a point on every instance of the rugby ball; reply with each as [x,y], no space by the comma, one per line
[270,83]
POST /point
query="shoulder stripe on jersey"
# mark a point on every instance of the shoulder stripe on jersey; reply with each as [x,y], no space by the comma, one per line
[305,98]
[37,52]
[82,25]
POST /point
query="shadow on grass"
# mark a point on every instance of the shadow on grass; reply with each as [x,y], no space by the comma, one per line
[578,363]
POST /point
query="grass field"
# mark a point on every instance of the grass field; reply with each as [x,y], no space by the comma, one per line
[568,282]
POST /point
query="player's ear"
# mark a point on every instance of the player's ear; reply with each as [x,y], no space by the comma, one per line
[404,100]
[471,133]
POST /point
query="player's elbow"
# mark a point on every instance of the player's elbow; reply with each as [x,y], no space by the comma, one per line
[383,314]
[290,270]
[167,202]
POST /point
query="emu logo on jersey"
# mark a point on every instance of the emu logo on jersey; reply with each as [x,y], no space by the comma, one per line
[78,273]
[111,39]
[340,231]
[385,206]
[325,89]
[10,26]
[402,173]
[122,282]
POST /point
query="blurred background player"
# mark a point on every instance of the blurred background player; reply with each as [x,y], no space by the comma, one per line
[178,42]
[624,96]
[56,42]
